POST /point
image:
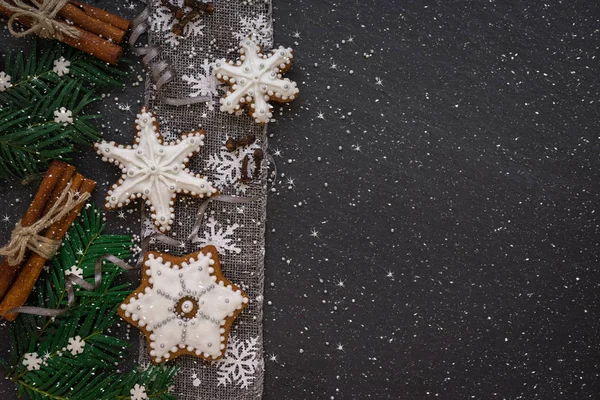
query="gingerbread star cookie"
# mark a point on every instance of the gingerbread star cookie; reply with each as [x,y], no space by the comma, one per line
[255,80]
[154,170]
[184,305]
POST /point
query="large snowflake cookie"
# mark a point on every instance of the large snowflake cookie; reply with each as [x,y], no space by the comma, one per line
[154,170]
[184,305]
[255,79]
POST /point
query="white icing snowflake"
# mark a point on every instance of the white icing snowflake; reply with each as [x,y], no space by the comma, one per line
[221,238]
[74,270]
[227,167]
[61,66]
[257,28]
[138,392]
[240,362]
[163,20]
[256,79]
[4,81]
[32,361]
[76,345]
[204,84]
[63,116]
[185,307]
[154,171]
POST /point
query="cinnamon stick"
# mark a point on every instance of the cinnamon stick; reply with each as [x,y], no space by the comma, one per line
[86,42]
[103,15]
[34,212]
[21,289]
[81,19]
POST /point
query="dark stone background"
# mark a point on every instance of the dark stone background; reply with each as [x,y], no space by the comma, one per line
[456,201]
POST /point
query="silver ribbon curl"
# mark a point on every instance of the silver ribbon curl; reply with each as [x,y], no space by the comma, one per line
[160,70]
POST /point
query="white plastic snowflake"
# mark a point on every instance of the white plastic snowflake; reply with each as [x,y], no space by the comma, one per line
[4,81]
[239,364]
[76,345]
[221,238]
[204,84]
[163,20]
[32,361]
[74,270]
[255,80]
[138,392]
[61,66]
[257,28]
[227,167]
[63,116]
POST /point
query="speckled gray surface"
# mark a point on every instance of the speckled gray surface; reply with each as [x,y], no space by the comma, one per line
[450,248]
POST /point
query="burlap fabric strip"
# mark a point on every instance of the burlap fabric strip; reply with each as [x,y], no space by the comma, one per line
[240,374]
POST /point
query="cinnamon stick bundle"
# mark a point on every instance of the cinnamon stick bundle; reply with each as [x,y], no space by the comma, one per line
[57,172]
[28,274]
[96,36]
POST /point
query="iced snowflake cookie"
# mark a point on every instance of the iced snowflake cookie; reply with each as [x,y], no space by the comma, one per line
[153,170]
[184,305]
[255,79]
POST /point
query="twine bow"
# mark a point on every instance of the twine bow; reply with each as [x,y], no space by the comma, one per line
[28,237]
[41,14]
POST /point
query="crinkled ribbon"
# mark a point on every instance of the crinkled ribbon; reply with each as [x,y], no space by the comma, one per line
[41,15]
[160,70]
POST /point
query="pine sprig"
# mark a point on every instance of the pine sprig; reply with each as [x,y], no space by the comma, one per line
[91,374]
[29,136]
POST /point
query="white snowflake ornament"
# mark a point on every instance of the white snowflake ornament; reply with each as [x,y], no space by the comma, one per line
[203,84]
[4,81]
[155,171]
[220,237]
[256,28]
[184,305]
[138,392]
[76,345]
[61,66]
[226,167]
[32,361]
[255,80]
[74,270]
[240,363]
[63,116]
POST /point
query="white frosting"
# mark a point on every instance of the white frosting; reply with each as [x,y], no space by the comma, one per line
[154,171]
[256,79]
[185,306]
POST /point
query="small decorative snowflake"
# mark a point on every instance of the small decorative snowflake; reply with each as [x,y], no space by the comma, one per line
[76,345]
[63,116]
[74,270]
[138,392]
[227,167]
[204,84]
[32,361]
[257,28]
[221,238]
[240,362]
[61,66]
[4,81]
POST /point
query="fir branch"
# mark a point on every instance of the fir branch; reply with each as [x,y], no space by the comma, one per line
[29,136]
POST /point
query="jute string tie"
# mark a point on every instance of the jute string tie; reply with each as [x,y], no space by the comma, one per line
[42,15]
[28,237]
